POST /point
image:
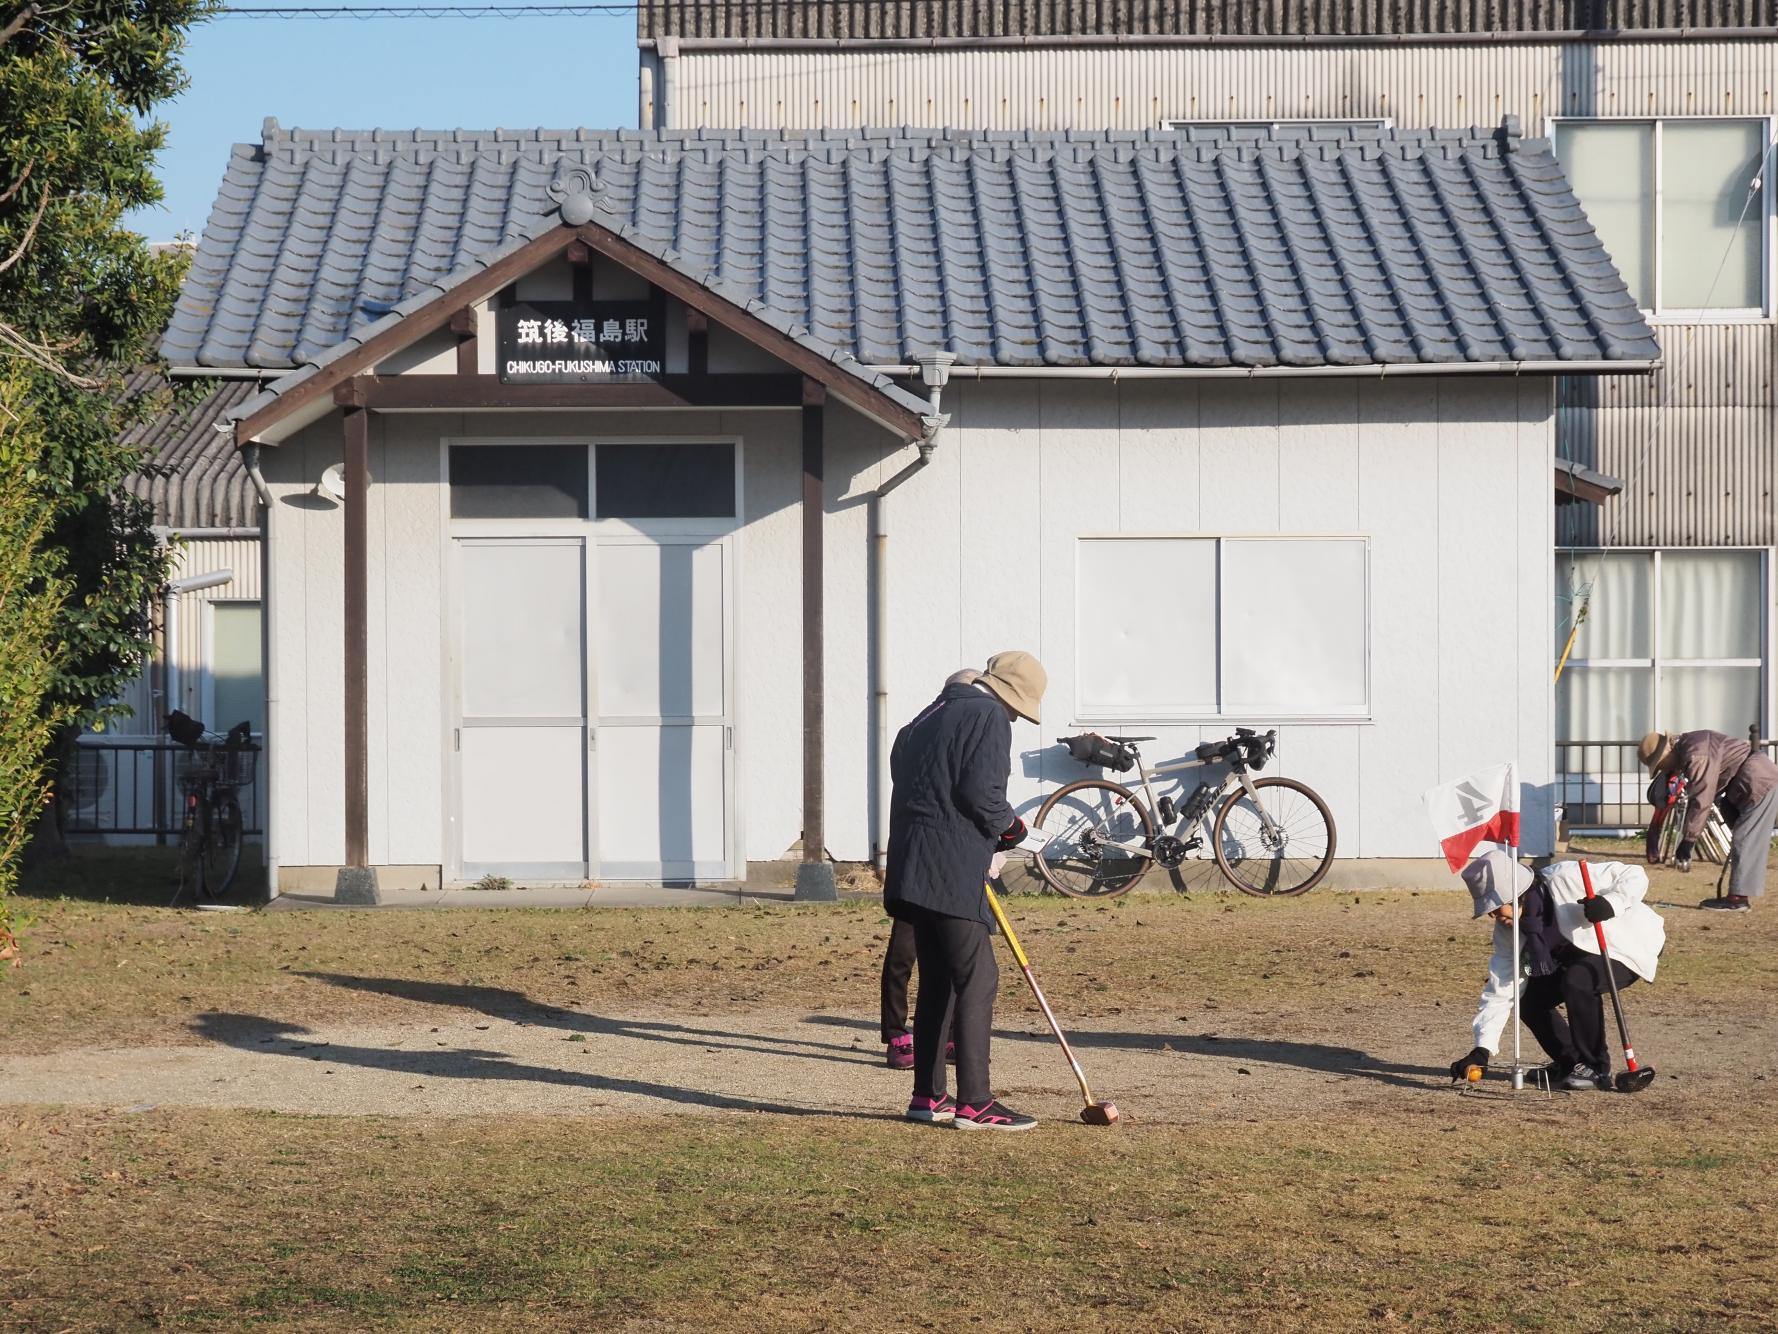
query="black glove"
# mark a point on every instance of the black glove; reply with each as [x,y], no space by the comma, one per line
[1012,836]
[1682,855]
[1598,910]
[1460,1067]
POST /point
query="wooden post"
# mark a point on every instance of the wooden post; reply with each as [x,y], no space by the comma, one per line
[357,881]
[814,878]
[463,326]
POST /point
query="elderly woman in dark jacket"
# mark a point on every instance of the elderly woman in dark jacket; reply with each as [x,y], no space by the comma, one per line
[948,821]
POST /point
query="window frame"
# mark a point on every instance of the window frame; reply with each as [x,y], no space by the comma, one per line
[1767,213]
[1656,662]
[1283,122]
[207,672]
[1221,717]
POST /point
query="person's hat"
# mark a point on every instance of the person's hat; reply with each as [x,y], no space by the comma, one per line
[1018,681]
[1494,880]
[967,677]
[1655,750]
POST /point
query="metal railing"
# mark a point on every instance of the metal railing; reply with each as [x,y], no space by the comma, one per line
[1601,787]
[132,788]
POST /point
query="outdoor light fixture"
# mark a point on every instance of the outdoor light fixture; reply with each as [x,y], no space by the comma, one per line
[332,485]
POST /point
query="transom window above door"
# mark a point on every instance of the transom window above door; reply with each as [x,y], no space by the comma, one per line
[628,481]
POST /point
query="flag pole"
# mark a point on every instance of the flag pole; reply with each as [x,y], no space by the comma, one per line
[1518,1081]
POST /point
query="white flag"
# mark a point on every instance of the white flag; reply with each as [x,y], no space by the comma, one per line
[1477,812]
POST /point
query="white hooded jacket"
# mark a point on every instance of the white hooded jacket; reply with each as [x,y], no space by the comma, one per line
[1635,936]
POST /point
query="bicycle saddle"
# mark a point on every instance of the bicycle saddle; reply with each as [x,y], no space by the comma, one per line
[1127,740]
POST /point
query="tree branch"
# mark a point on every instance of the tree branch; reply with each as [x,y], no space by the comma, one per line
[17,22]
[43,356]
[30,231]
[19,184]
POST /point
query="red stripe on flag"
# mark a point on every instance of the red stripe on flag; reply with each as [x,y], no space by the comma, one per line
[1501,827]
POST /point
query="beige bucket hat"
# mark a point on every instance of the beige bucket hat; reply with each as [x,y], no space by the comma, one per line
[1018,681]
[1655,751]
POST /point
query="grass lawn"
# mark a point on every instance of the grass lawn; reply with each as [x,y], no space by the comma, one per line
[1404,1204]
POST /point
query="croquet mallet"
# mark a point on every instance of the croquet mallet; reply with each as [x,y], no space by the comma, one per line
[1094,1113]
[1637,1077]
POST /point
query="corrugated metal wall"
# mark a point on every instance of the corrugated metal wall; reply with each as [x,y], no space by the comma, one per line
[1103,87]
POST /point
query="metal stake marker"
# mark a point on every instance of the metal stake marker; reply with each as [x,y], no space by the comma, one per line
[1518,1065]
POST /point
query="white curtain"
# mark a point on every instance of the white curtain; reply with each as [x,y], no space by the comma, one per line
[1707,222]
[1611,167]
[1710,604]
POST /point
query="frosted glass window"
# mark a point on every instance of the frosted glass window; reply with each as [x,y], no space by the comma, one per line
[237,681]
[1248,626]
[1606,704]
[1294,626]
[1706,219]
[1620,613]
[1722,699]
[1611,167]
[1710,604]
[1140,655]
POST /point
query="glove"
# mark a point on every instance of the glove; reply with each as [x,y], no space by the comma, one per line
[1460,1067]
[1597,910]
[1682,855]
[996,864]
[1011,836]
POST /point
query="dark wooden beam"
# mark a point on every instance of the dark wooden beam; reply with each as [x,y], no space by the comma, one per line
[429,318]
[356,428]
[456,393]
[580,260]
[814,624]
[697,342]
[464,326]
[843,385]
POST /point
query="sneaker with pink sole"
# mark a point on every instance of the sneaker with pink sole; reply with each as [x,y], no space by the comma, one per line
[901,1053]
[940,1110]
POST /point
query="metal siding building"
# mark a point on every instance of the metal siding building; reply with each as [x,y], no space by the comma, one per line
[1694,444]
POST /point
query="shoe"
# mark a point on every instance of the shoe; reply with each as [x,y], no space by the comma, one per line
[1583,1078]
[991,1115]
[1728,903]
[950,1053]
[940,1110]
[1548,1076]
[901,1053]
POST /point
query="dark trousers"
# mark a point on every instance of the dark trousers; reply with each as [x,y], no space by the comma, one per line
[898,967]
[958,979]
[1578,985]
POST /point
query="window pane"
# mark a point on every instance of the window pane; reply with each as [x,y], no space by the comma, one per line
[518,481]
[665,481]
[1706,219]
[237,689]
[1722,699]
[1611,167]
[1293,626]
[1710,604]
[1139,658]
[1605,704]
[1620,610]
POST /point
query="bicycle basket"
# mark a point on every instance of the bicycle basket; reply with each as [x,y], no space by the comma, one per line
[1091,748]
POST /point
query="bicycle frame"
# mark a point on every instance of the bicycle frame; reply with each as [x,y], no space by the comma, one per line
[1238,771]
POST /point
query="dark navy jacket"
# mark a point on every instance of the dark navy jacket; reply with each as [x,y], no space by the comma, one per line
[948,806]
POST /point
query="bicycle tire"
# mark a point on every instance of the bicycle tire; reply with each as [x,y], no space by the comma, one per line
[1297,826]
[1062,812]
[222,850]
[1671,824]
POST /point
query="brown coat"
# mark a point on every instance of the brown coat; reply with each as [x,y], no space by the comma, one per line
[1720,768]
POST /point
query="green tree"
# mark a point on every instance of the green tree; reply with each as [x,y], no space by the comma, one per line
[83,301]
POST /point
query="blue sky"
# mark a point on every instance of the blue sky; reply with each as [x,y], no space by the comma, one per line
[390,73]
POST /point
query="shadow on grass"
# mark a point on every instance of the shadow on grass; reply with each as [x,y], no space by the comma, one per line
[503,1003]
[1313,1056]
[255,1033]
[145,877]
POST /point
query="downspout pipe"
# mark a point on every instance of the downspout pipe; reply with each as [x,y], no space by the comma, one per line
[268,657]
[935,371]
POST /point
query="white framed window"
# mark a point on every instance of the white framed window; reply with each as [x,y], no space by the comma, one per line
[1262,628]
[1670,200]
[234,676]
[1674,639]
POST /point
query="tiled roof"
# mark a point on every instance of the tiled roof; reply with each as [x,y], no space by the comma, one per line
[195,478]
[1294,248]
[868,20]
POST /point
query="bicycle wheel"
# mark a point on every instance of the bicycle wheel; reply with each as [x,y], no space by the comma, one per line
[1085,822]
[1289,858]
[222,850]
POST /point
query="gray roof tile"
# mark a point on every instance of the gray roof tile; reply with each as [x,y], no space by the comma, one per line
[1246,249]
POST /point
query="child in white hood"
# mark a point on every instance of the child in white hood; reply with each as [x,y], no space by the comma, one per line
[1559,963]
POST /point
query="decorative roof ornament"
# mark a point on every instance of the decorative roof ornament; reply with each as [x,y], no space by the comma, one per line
[575,190]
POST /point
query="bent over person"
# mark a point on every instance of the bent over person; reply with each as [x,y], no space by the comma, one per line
[948,823]
[1559,964]
[1741,782]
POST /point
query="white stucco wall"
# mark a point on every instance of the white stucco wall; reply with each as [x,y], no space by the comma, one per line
[1449,478]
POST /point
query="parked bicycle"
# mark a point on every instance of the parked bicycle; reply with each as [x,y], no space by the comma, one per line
[1271,837]
[216,768]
